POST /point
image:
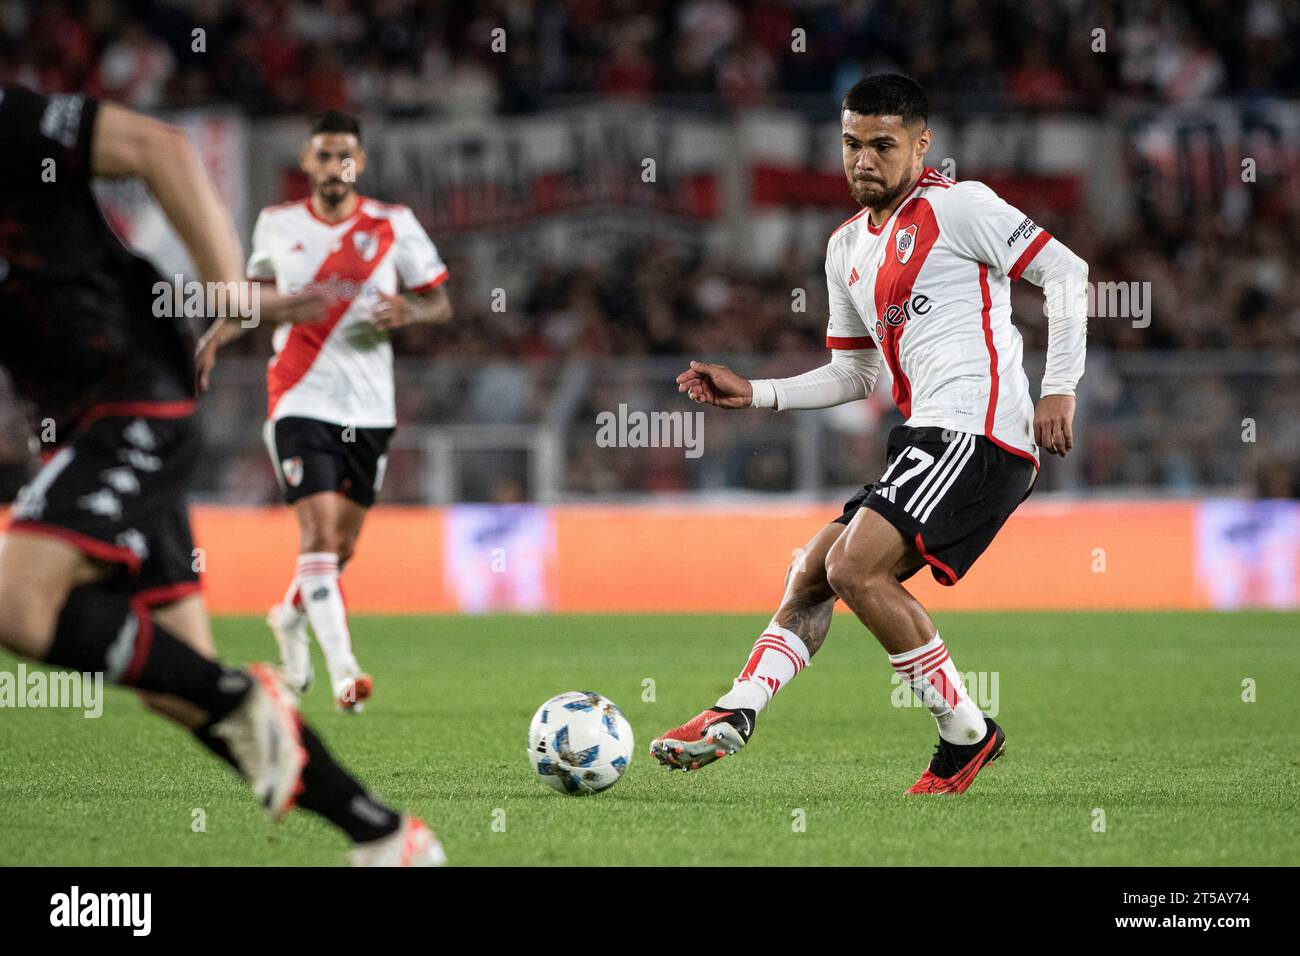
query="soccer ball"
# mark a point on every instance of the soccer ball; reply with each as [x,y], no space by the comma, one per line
[579,743]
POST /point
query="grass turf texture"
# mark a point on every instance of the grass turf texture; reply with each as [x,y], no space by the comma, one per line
[1138,715]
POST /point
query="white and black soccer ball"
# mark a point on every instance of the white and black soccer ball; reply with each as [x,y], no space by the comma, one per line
[579,743]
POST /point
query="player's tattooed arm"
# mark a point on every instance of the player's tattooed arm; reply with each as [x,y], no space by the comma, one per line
[426,308]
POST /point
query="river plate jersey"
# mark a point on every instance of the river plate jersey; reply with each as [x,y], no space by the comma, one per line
[339,369]
[931,289]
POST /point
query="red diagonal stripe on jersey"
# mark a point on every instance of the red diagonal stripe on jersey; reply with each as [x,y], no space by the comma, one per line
[894,283]
[305,341]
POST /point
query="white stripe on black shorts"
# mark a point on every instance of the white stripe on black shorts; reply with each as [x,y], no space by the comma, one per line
[948,492]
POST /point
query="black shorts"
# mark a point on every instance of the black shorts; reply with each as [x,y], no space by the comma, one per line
[948,492]
[311,456]
[116,491]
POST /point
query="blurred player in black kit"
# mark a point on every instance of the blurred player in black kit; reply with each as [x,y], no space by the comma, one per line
[96,567]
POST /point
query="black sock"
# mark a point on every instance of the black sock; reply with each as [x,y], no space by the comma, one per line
[332,792]
[100,630]
[217,745]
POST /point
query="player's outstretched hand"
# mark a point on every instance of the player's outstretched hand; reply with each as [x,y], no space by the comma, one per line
[1054,423]
[715,385]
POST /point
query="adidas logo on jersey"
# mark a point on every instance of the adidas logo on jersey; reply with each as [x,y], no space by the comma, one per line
[853,275]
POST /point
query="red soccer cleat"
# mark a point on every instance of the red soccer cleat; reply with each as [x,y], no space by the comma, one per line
[704,738]
[954,766]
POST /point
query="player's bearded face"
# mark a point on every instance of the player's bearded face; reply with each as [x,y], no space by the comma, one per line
[882,157]
[332,162]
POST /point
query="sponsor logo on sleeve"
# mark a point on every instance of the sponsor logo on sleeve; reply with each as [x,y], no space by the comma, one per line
[1023,231]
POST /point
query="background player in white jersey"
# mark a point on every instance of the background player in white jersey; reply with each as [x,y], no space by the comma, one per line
[330,404]
[921,280]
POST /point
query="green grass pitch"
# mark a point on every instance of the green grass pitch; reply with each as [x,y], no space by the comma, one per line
[1139,717]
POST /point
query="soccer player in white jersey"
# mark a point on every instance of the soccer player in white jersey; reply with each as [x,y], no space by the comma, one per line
[919,279]
[330,403]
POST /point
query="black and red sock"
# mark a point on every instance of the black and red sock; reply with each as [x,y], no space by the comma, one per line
[103,631]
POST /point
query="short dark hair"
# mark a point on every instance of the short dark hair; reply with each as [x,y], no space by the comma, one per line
[888,94]
[336,121]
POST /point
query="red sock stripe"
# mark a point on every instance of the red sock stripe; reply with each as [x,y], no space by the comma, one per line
[781,648]
[920,659]
[318,570]
[780,639]
[934,664]
[751,665]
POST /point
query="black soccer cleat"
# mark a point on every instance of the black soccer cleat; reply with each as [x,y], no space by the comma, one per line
[954,766]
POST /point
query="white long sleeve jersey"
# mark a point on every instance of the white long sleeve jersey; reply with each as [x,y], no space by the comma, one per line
[930,291]
[340,368]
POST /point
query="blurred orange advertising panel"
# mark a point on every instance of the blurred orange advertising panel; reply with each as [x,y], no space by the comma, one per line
[1096,555]
[701,558]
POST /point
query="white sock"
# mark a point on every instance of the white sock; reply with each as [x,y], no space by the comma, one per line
[292,614]
[935,681]
[778,655]
[318,579]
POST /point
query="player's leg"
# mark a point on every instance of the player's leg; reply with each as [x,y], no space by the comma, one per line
[320,516]
[941,500]
[863,568]
[287,618]
[55,607]
[795,633]
[187,619]
[326,472]
[351,516]
[327,788]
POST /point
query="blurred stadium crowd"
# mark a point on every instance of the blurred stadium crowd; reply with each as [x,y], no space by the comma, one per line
[409,57]
[1214,282]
